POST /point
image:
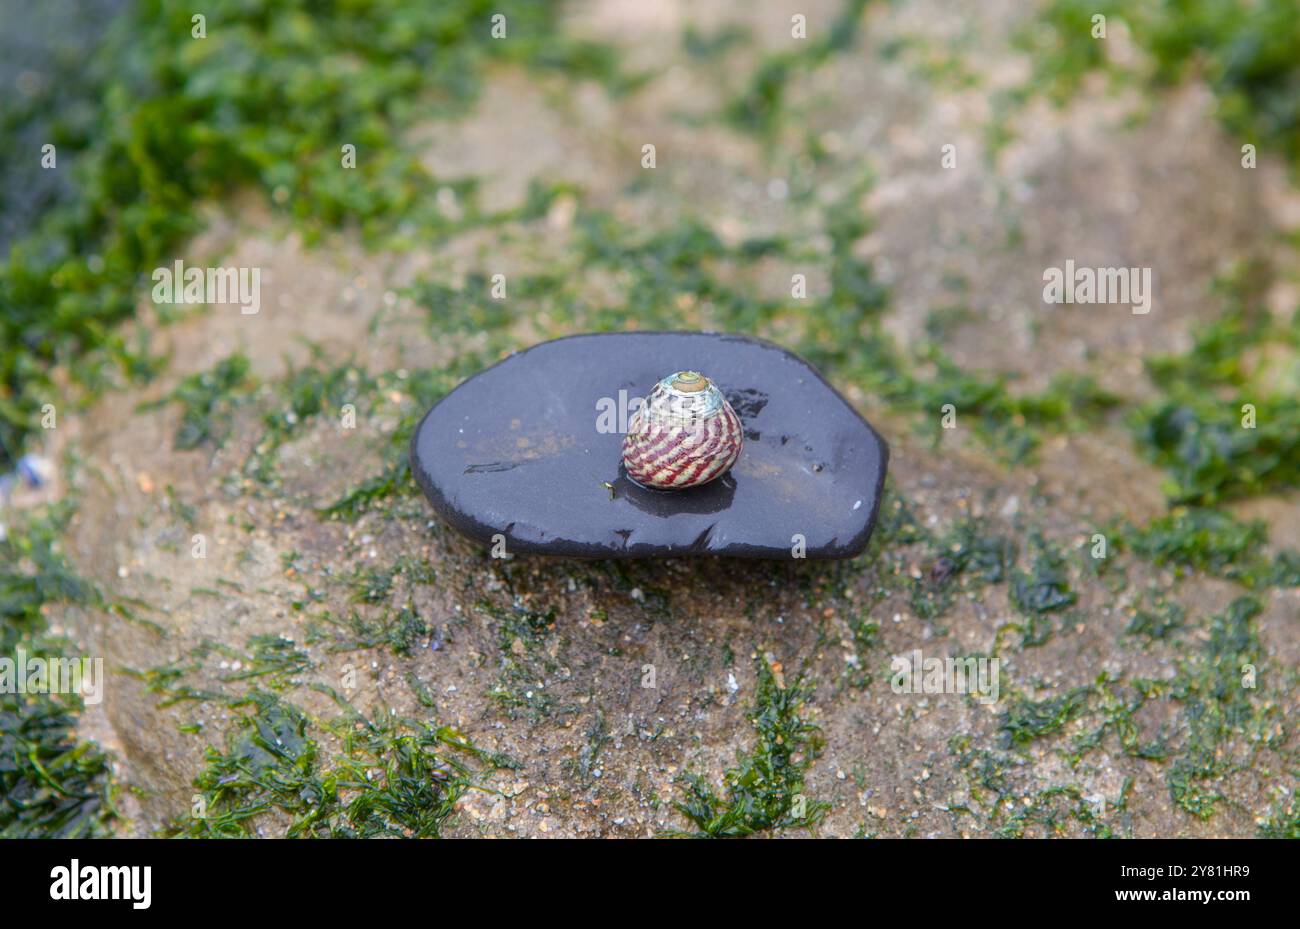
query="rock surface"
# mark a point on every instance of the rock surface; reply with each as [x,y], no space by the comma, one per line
[542,659]
[529,450]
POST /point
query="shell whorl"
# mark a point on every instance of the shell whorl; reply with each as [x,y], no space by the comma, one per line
[685,434]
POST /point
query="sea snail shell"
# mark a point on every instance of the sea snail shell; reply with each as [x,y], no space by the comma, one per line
[684,435]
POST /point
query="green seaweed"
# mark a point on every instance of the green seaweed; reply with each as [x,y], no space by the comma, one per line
[1218,705]
[1014,813]
[271,656]
[1011,424]
[1026,720]
[1248,51]
[1283,821]
[1053,808]
[52,784]
[1212,457]
[304,393]
[967,558]
[399,629]
[1157,620]
[1116,704]
[765,790]
[208,400]
[391,776]
[1041,591]
[1227,425]
[520,629]
[267,99]
[369,493]
[759,106]
[1213,542]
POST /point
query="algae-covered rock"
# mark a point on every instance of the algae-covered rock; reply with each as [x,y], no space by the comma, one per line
[295,645]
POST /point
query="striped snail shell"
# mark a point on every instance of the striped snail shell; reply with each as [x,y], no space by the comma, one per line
[684,435]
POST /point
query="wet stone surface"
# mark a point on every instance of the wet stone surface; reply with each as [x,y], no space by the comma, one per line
[530,450]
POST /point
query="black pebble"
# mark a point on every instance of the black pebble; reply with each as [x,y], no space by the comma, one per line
[515,451]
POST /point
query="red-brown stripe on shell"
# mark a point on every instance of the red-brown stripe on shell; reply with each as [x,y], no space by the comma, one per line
[685,434]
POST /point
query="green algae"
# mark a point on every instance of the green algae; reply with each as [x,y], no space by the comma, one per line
[1212,542]
[383,611]
[1219,702]
[968,557]
[1026,720]
[52,783]
[661,267]
[1248,53]
[307,391]
[1041,590]
[1227,425]
[1283,821]
[765,790]
[1224,717]
[1157,619]
[269,655]
[759,107]
[208,400]
[399,629]
[391,776]
[520,631]
[1219,447]
[1053,811]
[264,100]
[1010,424]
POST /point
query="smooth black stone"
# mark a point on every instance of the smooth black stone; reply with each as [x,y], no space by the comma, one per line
[515,450]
